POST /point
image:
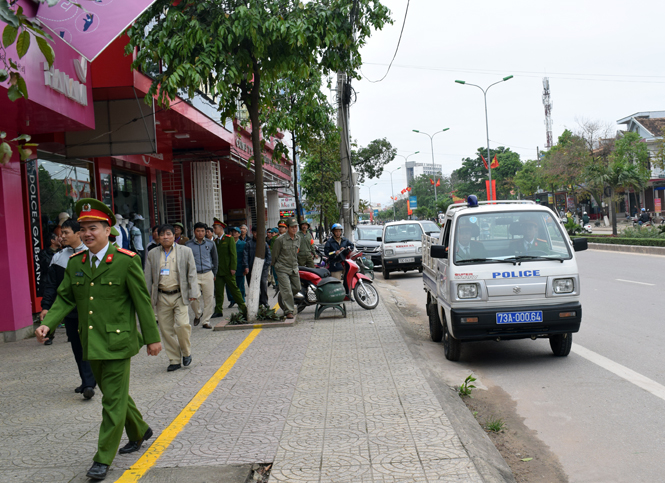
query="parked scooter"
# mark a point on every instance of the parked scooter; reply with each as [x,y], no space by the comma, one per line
[316,285]
[365,266]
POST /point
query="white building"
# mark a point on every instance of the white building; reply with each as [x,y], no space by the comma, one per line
[414,170]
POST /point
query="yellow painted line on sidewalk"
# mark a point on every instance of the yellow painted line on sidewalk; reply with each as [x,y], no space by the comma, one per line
[150,457]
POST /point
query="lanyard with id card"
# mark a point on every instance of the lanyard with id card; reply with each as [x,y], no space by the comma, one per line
[165,271]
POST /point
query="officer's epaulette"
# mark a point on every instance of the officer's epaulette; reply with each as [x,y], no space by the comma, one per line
[127,252]
[228,236]
[77,253]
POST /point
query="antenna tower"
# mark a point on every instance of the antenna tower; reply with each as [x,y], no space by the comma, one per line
[547,102]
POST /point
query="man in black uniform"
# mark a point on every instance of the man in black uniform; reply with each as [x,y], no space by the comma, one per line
[71,241]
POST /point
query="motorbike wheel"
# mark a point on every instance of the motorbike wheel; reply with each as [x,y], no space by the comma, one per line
[301,306]
[366,296]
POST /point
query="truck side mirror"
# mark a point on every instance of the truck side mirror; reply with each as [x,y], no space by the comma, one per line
[438,251]
[580,244]
[379,239]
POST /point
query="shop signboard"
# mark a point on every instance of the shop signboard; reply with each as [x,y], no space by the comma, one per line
[34,216]
[89,31]
[155,205]
[376,212]
[550,199]
[287,203]
[658,205]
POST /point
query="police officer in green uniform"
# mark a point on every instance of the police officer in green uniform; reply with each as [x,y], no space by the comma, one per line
[285,261]
[227,257]
[107,287]
[306,253]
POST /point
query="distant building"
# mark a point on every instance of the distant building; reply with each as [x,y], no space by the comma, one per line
[649,125]
[414,170]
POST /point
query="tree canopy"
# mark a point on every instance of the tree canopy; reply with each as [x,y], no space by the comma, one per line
[472,175]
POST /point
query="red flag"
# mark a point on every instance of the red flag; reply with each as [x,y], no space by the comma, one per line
[438,182]
[495,163]
[431,180]
[484,162]
[409,188]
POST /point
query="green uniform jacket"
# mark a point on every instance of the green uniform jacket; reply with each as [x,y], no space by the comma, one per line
[227,255]
[107,303]
[285,253]
[306,246]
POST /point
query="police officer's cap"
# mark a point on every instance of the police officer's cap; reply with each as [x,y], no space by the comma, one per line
[292,222]
[217,221]
[90,209]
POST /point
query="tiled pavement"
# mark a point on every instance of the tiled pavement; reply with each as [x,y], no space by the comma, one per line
[332,400]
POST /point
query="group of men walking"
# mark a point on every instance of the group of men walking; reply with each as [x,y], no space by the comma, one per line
[100,291]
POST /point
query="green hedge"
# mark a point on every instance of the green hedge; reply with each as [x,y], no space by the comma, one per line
[644,242]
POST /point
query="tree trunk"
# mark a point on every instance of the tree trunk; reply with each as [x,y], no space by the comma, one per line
[613,209]
[253,109]
[299,209]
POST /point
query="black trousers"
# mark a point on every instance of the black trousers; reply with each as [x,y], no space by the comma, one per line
[85,371]
[263,287]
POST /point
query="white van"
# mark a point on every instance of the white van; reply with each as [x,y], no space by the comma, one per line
[401,249]
[502,270]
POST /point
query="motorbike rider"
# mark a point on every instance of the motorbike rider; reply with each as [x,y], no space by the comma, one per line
[334,248]
[585,218]
[644,217]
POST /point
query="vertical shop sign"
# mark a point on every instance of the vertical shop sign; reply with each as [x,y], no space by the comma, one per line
[34,213]
[155,207]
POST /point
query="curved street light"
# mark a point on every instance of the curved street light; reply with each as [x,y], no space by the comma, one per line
[431,140]
[487,130]
[391,188]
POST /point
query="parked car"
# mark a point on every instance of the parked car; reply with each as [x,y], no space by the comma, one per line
[367,239]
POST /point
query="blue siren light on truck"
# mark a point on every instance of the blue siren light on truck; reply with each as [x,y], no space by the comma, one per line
[472,201]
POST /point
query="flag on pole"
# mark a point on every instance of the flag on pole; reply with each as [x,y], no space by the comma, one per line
[491,196]
[409,188]
[409,211]
[438,182]
[403,191]
[484,162]
[495,163]
[431,180]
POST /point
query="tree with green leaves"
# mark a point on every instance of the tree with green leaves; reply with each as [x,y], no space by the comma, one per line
[529,178]
[627,169]
[369,161]
[237,49]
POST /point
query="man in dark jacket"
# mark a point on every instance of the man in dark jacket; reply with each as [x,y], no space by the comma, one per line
[334,248]
[54,276]
[249,256]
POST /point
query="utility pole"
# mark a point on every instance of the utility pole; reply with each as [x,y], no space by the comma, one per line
[343,101]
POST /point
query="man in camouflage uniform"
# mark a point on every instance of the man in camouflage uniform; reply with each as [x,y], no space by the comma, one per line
[307,253]
[285,262]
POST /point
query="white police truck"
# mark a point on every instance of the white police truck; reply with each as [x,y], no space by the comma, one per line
[502,270]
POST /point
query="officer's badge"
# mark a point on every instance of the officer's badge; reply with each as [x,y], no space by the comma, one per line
[79,274]
[109,258]
[86,207]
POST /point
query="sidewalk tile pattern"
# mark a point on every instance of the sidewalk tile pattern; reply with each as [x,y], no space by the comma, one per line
[336,400]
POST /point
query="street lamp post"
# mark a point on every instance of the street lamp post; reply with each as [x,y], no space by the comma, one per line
[392,190]
[369,188]
[487,129]
[406,160]
[431,141]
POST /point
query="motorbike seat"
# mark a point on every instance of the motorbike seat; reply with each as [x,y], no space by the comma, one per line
[321,272]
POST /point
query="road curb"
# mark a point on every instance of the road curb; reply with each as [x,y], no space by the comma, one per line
[628,249]
[487,459]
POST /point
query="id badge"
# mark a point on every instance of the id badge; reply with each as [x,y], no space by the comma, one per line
[165,272]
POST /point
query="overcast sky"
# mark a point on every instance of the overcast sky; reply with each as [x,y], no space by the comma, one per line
[603,59]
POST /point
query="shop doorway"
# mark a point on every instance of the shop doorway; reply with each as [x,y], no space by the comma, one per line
[130,199]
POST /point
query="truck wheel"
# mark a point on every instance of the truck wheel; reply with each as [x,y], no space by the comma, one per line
[452,347]
[386,274]
[420,269]
[435,327]
[561,344]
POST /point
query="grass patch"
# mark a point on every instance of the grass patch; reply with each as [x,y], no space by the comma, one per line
[496,425]
[467,386]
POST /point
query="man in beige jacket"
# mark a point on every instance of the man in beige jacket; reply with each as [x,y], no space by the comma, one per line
[170,274]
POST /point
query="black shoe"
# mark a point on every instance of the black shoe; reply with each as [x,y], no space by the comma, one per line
[133,446]
[48,342]
[173,367]
[186,360]
[217,314]
[88,392]
[206,326]
[231,304]
[97,471]
[197,321]
[79,390]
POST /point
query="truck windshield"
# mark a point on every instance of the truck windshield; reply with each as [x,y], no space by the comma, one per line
[493,237]
[430,228]
[403,233]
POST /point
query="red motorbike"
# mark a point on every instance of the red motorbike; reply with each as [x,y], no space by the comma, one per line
[312,278]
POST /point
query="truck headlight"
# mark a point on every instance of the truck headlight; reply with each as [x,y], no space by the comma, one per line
[563,285]
[420,249]
[388,253]
[467,290]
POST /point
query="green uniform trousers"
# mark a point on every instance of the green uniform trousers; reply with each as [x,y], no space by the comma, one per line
[118,408]
[288,280]
[306,262]
[230,281]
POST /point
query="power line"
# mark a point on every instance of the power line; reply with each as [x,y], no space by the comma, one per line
[396,49]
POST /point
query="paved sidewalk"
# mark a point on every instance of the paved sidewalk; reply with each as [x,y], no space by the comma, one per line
[333,400]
